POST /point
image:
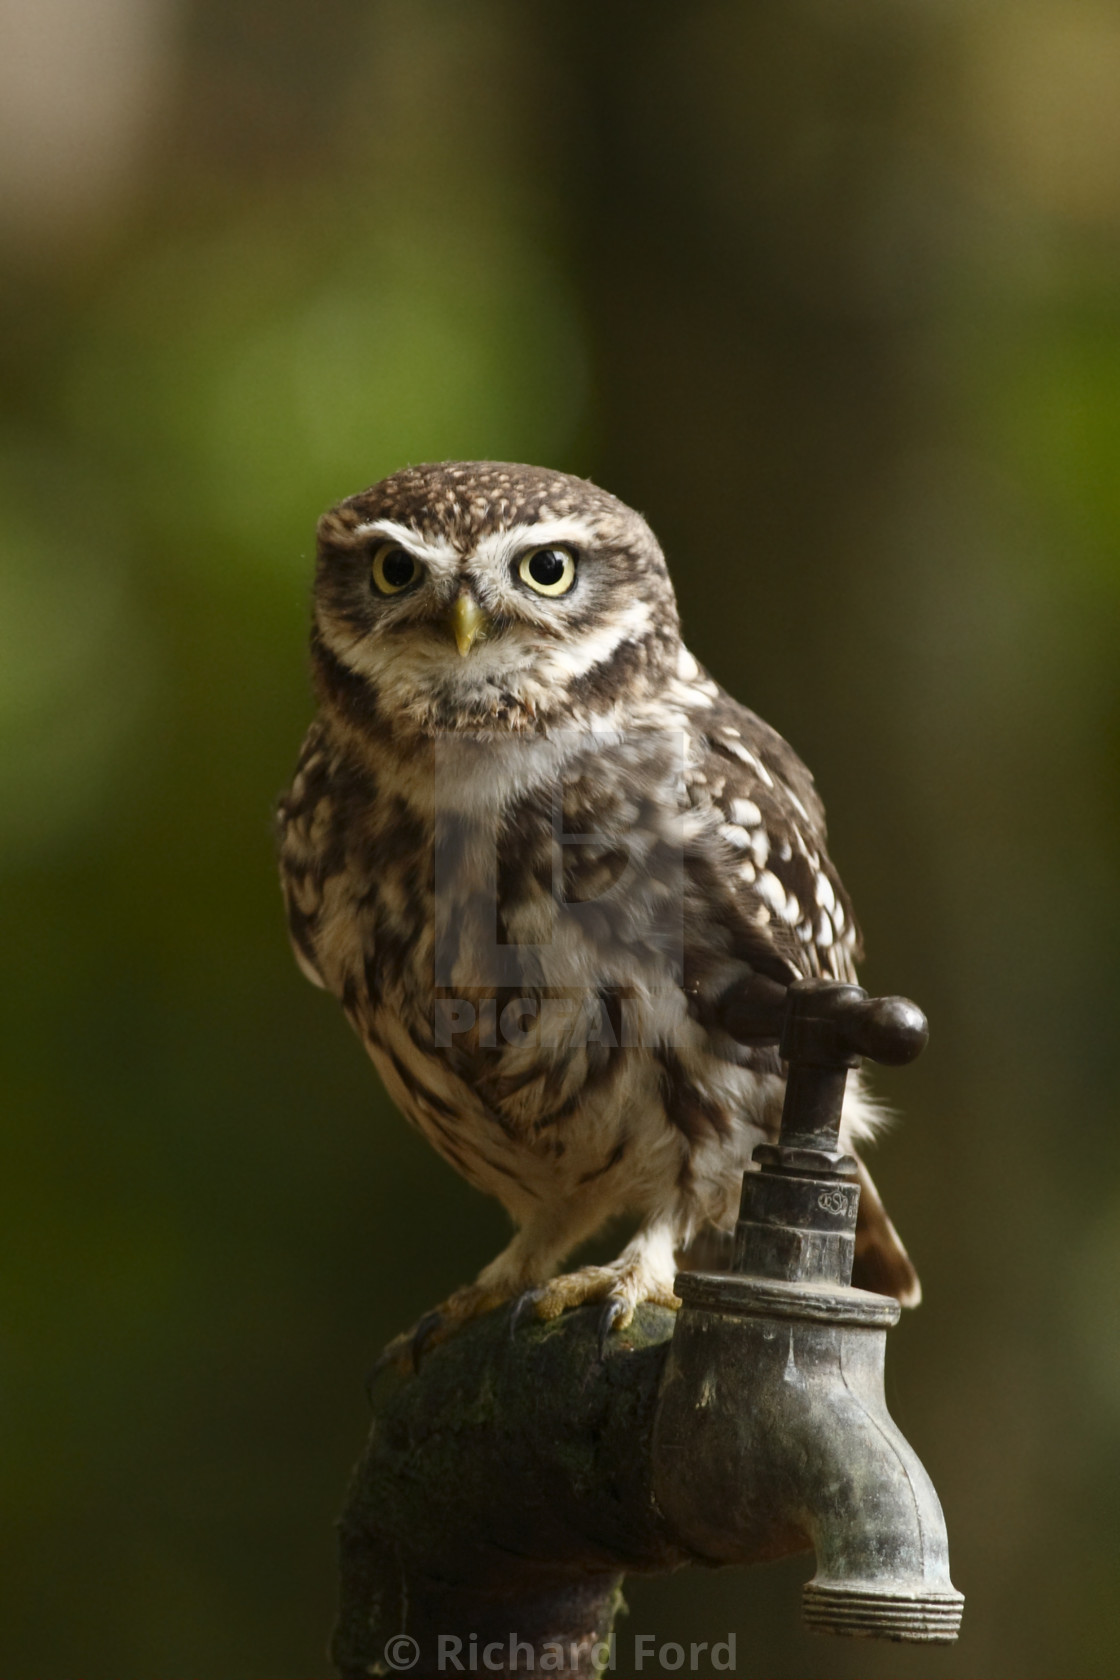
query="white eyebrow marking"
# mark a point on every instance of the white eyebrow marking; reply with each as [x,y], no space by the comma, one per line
[498,547]
[438,552]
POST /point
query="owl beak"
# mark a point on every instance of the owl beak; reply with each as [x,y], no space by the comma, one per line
[468,621]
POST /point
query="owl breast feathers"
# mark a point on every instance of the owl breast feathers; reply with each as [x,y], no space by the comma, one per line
[529,845]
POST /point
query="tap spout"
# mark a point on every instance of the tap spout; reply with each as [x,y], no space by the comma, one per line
[773,1435]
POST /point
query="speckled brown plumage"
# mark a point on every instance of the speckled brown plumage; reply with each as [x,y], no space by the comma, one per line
[528,845]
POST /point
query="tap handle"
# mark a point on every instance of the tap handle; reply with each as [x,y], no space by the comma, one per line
[891,1030]
[827,1027]
[823,1022]
[830,1024]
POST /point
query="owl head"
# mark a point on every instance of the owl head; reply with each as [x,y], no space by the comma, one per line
[483,596]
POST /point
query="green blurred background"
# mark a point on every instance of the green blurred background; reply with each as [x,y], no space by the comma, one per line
[832,293]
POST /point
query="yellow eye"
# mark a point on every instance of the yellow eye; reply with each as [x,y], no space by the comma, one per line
[549,571]
[393,569]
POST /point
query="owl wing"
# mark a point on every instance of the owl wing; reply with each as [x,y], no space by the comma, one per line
[770,888]
[763,867]
[300,823]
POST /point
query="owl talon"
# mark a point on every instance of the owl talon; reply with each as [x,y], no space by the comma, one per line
[396,1355]
[400,1354]
[423,1334]
[406,1351]
[524,1302]
[616,1312]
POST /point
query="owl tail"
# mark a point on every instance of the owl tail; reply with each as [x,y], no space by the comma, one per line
[882,1264]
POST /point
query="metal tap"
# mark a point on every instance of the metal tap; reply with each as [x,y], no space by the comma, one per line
[772,1431]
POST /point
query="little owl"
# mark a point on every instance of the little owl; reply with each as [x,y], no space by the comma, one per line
[529,845]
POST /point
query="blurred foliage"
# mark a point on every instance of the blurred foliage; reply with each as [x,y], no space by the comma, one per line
[832,294]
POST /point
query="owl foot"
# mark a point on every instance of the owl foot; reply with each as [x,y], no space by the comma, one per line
[406,1351]
[622,1287]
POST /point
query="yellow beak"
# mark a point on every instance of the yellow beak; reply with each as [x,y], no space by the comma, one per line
[468,621]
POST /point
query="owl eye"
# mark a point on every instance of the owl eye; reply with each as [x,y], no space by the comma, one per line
[548,571]
[393,569]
